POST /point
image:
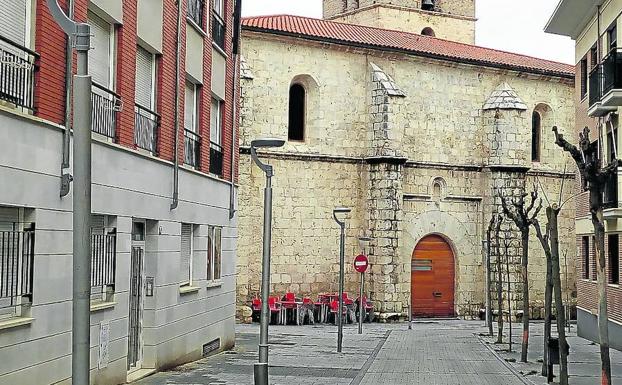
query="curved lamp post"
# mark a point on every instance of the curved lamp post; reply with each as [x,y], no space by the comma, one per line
[261,368]
[342,245]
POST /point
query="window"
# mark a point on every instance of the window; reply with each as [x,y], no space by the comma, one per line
[185,268]
[216,153]
[214,253]
[296,128]
[195,12]
[145,78]
[536,123]
[103,258]
[585,254]
[101,55]
[14,20]
[593,57]
[192,139]
[17,240]
[219,7]
[612,37]
[614,258]
[427,31]
[593,266]
[583,69]
[427,5]
[190,107]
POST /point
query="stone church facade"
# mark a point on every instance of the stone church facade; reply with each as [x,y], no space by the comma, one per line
[419,135]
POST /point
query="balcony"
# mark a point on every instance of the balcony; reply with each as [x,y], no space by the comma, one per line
[596,107]
[192,148]
[612,79]
[17,250]
[146,129]
[215,159]
[610,199]
[18,66]
[218,31]
[195,12]
[106,104]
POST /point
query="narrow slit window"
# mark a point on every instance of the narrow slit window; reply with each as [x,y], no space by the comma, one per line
[585,250]
[536,125]
[614,259]
[297,101]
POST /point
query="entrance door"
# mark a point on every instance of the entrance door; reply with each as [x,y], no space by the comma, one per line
[134,344]
[432,278]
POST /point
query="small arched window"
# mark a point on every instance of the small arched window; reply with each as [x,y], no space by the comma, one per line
[536,129]
[297,101]
[427,31]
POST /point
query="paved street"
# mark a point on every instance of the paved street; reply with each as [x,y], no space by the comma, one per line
[433,353]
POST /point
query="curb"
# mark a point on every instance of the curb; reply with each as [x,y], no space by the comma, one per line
[509,366]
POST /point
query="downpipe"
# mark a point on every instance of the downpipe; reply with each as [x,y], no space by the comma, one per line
[234,110]
[175,202]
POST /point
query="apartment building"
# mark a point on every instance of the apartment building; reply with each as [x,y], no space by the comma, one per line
[163,248]
[595,26]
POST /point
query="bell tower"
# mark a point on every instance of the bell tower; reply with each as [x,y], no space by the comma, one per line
[445,19]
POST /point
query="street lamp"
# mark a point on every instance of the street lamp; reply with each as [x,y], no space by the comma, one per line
[261,368]
[342,224]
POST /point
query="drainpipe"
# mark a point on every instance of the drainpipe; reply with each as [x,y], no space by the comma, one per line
[65,177]
[236,50]
[175,202]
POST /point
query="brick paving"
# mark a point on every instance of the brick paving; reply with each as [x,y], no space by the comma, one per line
[432,353]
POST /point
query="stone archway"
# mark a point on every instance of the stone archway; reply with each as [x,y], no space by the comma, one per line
[435,222]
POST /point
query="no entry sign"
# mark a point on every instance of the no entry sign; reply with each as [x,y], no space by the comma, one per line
[361,263]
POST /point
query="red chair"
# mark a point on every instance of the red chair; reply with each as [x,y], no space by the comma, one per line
[256,307]
[346,299]
[334,308]
[275,309]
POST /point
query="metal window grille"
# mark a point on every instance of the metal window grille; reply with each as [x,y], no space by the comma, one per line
[106,105]
[18,66]
[146,129]
[16,266]
[192,148]
[103,259]
[215,159]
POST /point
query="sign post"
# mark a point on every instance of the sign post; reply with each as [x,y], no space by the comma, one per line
[360,264]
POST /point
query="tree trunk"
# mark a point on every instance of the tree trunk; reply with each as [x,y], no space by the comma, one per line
[548,305]
[488,286]
[552,213]
[499,293]
[507,266]
[596,208]
[525,278]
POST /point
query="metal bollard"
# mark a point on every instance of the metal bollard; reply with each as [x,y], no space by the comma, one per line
[261,373]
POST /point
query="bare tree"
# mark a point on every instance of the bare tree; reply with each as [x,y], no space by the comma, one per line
[594,179]
[523,216]
[499,281]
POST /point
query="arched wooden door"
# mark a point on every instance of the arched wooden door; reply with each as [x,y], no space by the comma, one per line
[432,278]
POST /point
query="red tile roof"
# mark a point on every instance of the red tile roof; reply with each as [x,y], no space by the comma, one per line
[350,34]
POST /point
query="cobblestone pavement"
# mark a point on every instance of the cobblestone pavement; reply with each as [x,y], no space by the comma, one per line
[432,353]
[583,362]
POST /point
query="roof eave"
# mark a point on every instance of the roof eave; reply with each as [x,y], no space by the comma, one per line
[535,71]
[571,17]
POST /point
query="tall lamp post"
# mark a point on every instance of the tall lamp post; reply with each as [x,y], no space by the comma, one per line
[261,368]
[342,245]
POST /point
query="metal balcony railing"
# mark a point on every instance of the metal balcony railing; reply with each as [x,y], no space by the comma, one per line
[215,159]
[17,250]
[610,199]
[103,259]
[218,30]
[596,85]
[612,71]
[106,105]
[192,148]
[146,129]
[18,66]
[195,11]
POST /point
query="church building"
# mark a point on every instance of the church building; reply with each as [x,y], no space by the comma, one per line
[390,109]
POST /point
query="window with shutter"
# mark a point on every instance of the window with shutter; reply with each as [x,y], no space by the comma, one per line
[144,78]
[219,7]
[216,122]
[100,54]
[186,254]
[217,253]
[190,107]
[13,20]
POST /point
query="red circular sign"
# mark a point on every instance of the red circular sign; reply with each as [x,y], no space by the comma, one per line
[361,263]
